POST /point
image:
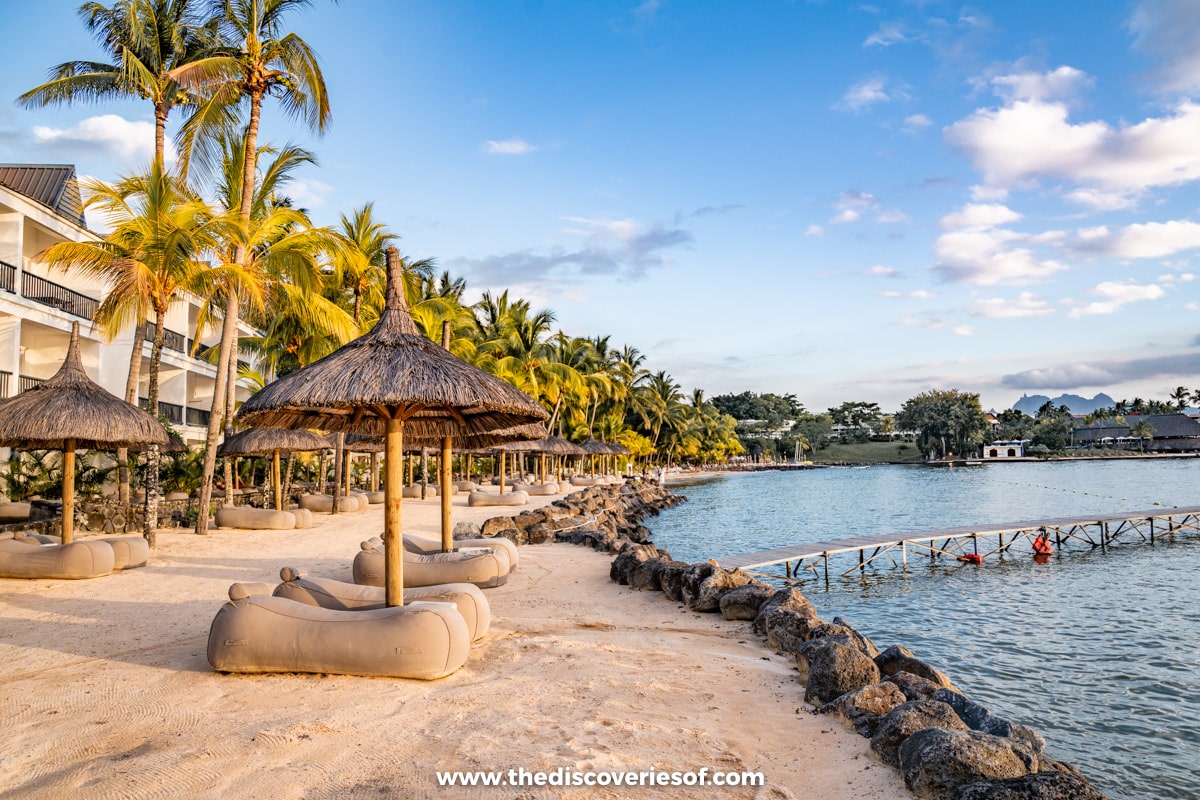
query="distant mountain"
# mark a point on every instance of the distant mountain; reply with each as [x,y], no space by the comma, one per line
[1030,403]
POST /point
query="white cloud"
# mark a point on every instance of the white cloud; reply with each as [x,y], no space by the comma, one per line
[1169,30]
[976,250]
[814,230]
[130,141]
[1100,200]
[963,330]
[1031,137]
[880,271]
[847,215]
[919,294]
[1116,294]
[1139,240]
[894,215]
[931,321]
[1026,305]
[869,92]
[508,147]
[889,33]
[915,123]
[308,193]
[852,204]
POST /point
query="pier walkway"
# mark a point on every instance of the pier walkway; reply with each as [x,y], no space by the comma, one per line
[964,544]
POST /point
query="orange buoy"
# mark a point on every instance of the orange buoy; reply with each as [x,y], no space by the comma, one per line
[1042,546]
[971,558]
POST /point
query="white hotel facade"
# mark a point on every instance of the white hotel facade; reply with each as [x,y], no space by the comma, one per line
[40,205]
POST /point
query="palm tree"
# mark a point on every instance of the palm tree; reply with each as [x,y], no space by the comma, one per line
[1181,395]
[148,42]
[359,266]
[1144,431]
[258,60]
[160,231]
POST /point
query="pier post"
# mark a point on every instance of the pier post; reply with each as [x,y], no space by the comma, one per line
[904,555]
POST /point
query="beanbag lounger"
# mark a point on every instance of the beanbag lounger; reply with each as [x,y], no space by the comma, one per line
[342,596]
[84,559]
[419,544]
[489,499]
[486,568]
[255,519]
[255,634]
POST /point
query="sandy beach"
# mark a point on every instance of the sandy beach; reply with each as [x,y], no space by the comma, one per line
[108,694]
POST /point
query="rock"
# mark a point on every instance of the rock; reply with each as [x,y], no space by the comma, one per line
[467,530]
[645,576]
[906,719]
[695,575]
[630,556]
[834,668]
[937,761]
[1035,786]
[978,718]
[898,657]
[865,707]
[716,586]
[745,601]
[670,577]
[845,635]
[864,644]
[540,533]
[914,686]
[783,599]
[494,525]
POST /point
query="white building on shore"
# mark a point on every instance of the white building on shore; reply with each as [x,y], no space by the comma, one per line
[40,205]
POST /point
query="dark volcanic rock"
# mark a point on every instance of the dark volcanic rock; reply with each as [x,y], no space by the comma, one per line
[914,686]
[670,576]
[864,708]
[898,658]
[744,602]
[978,718]
[630,556]
[716,586]
[1037,786]
[494,525]
[937,761]
[905,720]
[695,575]
[645,577]
[834,668]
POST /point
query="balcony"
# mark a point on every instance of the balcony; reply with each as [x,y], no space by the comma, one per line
[8,277]
[27,382]
[172,412]
[51,294]
[171,339]
[5,382]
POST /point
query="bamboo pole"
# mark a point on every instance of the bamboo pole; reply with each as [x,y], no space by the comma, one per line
[393,479]
[68,492]
[502,472]
[446,487]
[276,483]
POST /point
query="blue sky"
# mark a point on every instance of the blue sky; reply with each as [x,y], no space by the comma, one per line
[844,201]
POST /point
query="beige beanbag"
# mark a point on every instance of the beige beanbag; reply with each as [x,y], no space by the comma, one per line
[427,547]
[582,480]
[128,551]
[255,519]
[272,634]
[88,559]
[323,503]
[414,492]
[465,486]
[489,499]
[13,512]
[374,498]
[342,596]
[537,489]
[304,517]
[486,568]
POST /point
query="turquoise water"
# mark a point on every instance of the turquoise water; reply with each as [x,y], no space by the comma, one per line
[1098,651]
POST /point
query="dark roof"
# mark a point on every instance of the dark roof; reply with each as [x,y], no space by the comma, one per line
[53,185]
[1168,425]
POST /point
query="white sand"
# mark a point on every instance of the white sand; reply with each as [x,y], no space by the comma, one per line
[107,692]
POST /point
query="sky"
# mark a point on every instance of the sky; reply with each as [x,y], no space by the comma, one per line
[843,201]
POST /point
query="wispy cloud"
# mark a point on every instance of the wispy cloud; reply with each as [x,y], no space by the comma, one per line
[1025,306]
[870,92]
[507,147]
[1116,294]
[622,248]
[129,141]
[975,248]
[1103,373]
[915,123]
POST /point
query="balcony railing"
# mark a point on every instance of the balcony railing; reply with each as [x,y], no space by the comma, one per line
[5,380]
[198,416]
[51,294]
[27,382]
[8,277]
[173,412]
[171,339]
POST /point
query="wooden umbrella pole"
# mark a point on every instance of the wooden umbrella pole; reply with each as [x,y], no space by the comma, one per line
[393,479]
[374,472]
[277,483]
[68,492]
[446,487]
[502,454]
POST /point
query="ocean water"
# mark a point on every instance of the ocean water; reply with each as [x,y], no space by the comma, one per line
[1098,651]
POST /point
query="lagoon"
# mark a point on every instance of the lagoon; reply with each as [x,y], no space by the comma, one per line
[1098,651]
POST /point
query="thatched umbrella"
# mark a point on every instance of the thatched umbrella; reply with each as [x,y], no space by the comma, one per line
[388,380]
[273,441]
[69,411]
[548,446]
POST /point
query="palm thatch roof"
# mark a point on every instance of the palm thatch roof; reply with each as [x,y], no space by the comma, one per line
[619,449]
[393,372]
[551,445]
[264,441]
[70,407]
[595,448]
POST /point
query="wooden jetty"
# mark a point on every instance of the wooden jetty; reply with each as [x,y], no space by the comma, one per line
[964,544]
